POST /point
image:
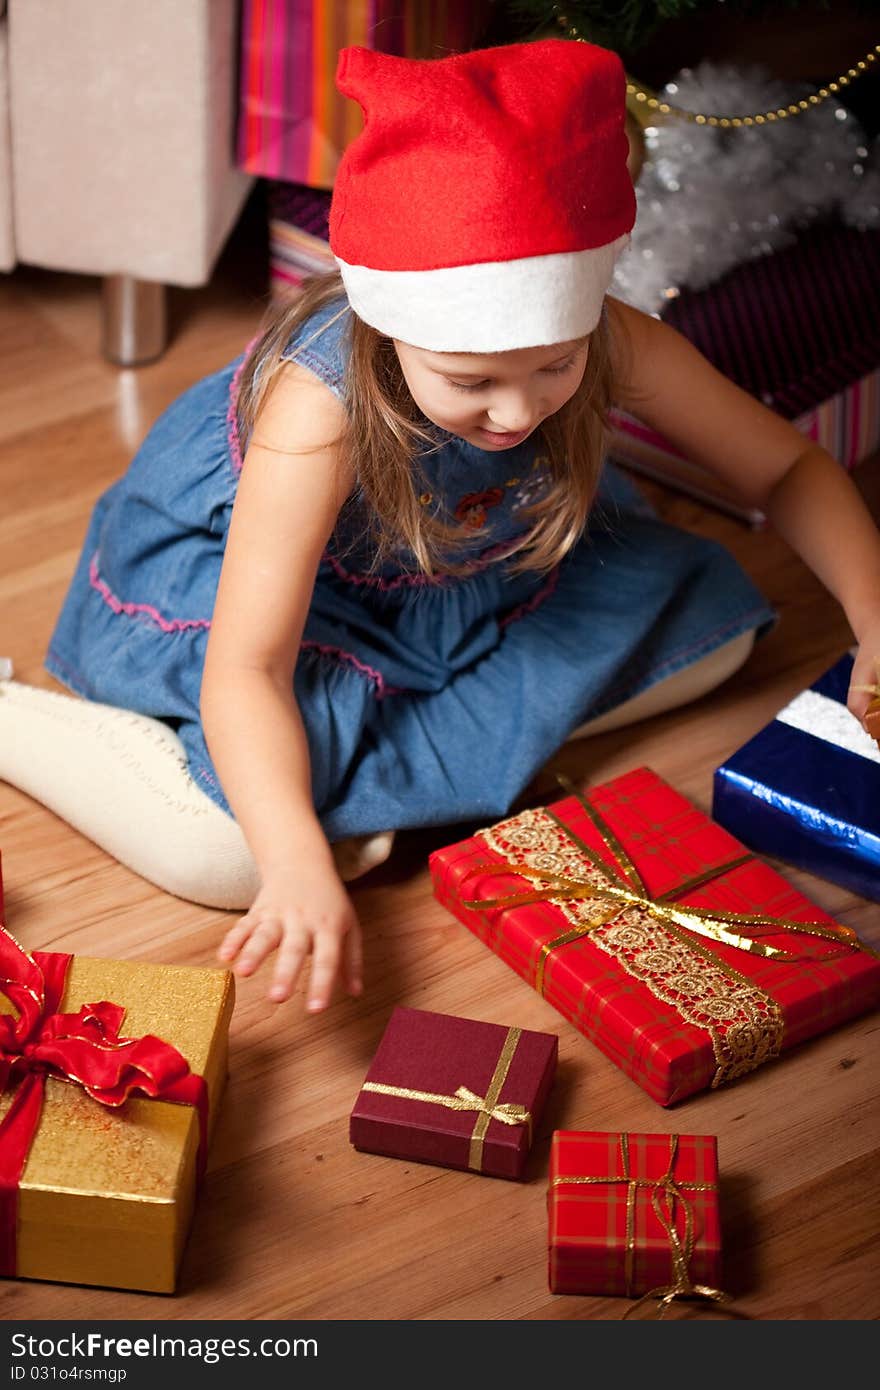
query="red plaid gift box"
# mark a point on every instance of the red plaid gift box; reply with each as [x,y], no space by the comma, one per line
[687,960]
[634,1215]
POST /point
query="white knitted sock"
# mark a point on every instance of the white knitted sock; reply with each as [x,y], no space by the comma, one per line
[122,779]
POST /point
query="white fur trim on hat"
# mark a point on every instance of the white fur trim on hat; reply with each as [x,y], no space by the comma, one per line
[490,307]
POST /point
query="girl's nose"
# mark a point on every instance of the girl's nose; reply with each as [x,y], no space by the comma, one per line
[511,413]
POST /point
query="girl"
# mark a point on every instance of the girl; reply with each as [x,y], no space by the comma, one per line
[371,575]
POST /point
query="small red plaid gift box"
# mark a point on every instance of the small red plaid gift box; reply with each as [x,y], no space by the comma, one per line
[455,1092]
[687,960]
[634,1214]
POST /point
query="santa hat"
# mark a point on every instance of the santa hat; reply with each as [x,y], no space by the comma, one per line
[487,199]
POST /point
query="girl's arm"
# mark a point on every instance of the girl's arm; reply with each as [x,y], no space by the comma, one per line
[289,494]
[804,491]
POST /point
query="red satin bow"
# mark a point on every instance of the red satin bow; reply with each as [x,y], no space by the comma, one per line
[84,1048]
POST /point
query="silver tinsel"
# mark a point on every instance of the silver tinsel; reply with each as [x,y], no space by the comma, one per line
[710,198]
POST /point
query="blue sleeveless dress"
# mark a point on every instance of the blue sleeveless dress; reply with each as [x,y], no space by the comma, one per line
[425,702]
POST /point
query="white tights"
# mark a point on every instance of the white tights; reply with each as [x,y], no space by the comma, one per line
[122,780]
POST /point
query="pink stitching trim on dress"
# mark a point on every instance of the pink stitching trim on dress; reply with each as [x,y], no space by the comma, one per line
[232,410]
[339,654]
[131,610]
[205,776]
[535,601]
[415,581]
[487,558]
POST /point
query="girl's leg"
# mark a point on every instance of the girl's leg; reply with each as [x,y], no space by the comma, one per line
[686,685]
[679,689]
[122,780]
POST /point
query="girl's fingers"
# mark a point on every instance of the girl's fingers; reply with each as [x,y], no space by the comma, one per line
[263,939]
[291,954]
[325,967]
[235,938]
[862,685]
[247,944]
[353,961]
[857,704]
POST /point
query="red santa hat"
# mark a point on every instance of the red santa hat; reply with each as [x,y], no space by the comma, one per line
[487,199]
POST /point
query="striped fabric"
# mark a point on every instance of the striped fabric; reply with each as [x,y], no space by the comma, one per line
[801,331]
[293,125]
[298,235]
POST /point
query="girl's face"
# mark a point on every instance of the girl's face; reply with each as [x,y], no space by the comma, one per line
[494,400]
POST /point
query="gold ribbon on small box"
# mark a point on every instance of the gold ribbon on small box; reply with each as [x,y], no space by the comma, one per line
[665,1192]
[487,1106]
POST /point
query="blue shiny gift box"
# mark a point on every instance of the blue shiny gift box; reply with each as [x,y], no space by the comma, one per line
[806,789]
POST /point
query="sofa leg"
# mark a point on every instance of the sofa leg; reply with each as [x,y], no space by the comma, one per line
[134,321]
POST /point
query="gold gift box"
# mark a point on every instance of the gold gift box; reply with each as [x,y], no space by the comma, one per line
[107,1194]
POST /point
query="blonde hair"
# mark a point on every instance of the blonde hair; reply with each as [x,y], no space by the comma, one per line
[385,438]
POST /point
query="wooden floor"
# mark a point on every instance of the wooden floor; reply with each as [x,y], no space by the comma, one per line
[292,1223]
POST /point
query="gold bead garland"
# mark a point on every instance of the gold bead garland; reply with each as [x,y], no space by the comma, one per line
[640,97]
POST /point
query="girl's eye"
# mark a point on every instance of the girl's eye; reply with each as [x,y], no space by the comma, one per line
[481,385]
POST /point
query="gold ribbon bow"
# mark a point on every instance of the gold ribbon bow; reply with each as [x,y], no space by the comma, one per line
[619,892]
[680,1250]
[487,1106]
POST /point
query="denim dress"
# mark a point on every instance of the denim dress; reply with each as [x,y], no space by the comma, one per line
[424,701]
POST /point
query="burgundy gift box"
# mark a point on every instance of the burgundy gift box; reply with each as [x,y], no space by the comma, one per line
[455,1092]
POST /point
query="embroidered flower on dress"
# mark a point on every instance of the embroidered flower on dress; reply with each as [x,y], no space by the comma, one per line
[473,508]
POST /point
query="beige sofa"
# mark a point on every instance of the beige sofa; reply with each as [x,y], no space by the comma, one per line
[117,139]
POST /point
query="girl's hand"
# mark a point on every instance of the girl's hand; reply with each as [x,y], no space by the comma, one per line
[866,671]
[303,910]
